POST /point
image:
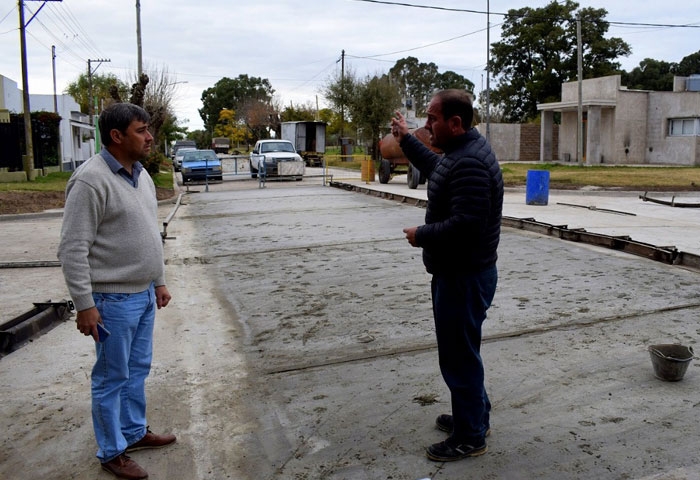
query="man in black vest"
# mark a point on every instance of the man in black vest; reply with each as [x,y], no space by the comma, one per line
[459,241]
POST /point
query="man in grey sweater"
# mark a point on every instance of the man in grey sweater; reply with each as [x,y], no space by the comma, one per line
[112,258]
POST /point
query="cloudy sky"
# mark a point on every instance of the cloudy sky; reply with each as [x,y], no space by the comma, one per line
[295,44]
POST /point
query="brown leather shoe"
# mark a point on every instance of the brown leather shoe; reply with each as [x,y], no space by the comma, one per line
[125,467]
[151,440]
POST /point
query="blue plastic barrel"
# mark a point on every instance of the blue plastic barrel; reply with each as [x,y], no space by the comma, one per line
[537,187]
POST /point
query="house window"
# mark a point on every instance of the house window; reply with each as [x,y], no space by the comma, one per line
[678,127]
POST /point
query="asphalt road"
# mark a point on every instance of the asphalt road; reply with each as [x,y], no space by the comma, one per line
[299,345]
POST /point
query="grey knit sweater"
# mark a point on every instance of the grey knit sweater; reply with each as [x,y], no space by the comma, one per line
[110,241]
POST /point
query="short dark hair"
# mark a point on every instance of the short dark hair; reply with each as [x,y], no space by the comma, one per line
[119,116]
[456,102]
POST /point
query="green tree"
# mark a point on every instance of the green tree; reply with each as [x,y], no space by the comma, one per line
[298,113]
[373,103]
[418,81]
[689,65]
[339,89]
[450,79]
[332,119]
[201,137]
[538,52]
[238,94]
[650,75]
[101,85]
[171,131]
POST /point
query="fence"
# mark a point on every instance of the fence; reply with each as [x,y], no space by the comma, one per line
[45,143]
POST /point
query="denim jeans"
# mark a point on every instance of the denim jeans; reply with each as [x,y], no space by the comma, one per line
[460,302]
[122,365]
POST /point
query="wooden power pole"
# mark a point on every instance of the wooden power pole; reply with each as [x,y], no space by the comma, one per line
[28,158]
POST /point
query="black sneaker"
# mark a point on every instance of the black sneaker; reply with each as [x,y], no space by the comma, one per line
[445,423]
[449,451]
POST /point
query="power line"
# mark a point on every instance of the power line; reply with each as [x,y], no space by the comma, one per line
[80,28]
[75,34]
[63,28]
[422,46]
[481,12]
[7,15]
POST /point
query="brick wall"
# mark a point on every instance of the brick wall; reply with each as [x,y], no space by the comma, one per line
[530,142]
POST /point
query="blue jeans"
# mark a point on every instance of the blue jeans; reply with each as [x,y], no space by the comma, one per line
[120,371]
[460,302]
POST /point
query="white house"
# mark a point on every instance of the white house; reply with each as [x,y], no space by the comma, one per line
[76,133]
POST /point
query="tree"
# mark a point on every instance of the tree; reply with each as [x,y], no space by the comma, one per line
[373,103]
[332,119]
[418,81]
[299,113]
[236,94]
[201,137]
[339,89]
[101,85]
[650,75]
[155,93]
[171,131]
[231,128]
[689,65]
[538,52]
[450,79]
[261,118]
[658,75]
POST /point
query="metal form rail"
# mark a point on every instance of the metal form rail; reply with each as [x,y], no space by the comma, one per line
[671,203]
[15,332]
[169,218]
[665,254]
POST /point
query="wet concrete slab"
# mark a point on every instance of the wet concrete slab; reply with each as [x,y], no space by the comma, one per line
[300,345]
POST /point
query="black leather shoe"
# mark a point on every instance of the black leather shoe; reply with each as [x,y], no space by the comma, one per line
[445,423]
[450,450]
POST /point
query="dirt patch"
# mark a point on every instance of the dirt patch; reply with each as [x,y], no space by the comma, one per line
[15,202]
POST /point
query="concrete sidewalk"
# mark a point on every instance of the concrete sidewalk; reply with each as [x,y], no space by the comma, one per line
[608,212]
[300,345]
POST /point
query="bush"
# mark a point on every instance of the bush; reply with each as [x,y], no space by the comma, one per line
[153,162]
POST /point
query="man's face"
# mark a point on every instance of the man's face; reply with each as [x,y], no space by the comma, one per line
[439,128]
[136,141]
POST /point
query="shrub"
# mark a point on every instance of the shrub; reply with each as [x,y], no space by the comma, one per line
[153,162]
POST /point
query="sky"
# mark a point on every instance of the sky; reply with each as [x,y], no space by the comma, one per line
[295,44]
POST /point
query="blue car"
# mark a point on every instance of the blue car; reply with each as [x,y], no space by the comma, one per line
[200,165]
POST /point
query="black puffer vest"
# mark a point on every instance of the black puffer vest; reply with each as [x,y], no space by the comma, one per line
[465,203]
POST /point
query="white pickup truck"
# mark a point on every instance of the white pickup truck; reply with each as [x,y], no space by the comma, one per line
[276,158]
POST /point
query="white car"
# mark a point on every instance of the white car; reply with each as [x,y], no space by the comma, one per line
[177,161]
[276,158]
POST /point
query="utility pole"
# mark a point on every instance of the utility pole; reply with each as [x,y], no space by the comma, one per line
[342,93]
[579,136]
[53,68]
[138,38]
[488,73]
[28,158]
[91,107]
